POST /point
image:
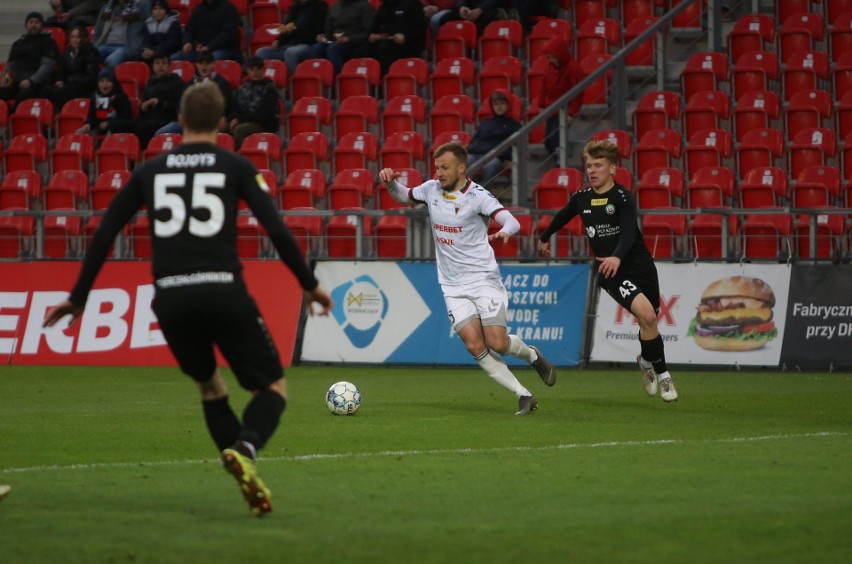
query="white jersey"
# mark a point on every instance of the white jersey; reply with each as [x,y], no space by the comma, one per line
[460,227]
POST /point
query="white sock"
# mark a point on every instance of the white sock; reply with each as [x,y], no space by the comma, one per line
[497,369]
[519,349]
[663,376]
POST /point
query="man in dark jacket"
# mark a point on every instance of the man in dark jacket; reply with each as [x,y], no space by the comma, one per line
[398,32]
[30,63]
[256,104]
[162,33]
[160,100]
[299,31]
[491,132]
[346,28]
[212,26]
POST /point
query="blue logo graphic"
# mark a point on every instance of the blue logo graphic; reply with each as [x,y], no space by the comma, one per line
[360,307]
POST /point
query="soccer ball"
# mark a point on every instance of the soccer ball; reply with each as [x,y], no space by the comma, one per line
[343,398]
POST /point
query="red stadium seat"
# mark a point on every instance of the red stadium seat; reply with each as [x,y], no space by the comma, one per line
[302,188]
[804,70]
[184,69]
[759,148]
[595,96]
[619,138]
[656,148]
[633,9]
[500,38]
[754,71]
[597,37]
[351,188]
[585,10]
[767,236]
[816,187]
[660,188]
[72,152]
[263,36]
[306,230]
[710,187]
[454,39]
[391,232]
[358,77]
[306,150]
[312,77]
[541,33]
[263,150]
[251,238]
[72,116]
[752,32]
[356,150]
[452,113]
[356,114]
[656,110]
[665,234]
[689,19]
[342,233]
[61,236]
[59,37]
[309,113]
[499,72]
[404,113]
[406,77]
[20,190]
[404,149]
[132,76]
[807,109]
[535,78]
[811,147]
[16,235]
[118,151]
[706,110]
[452,77]
[26,152]
[555,188]
[787,8]
[707,147]
[225,141]
[645,54]
[841,36]
[844,116]
[162,143]
[829,231]
[703,71]
[835,9]
[276,71]
[32,116]
[755,110]
[762,187]
[800,32]
[105,186]
[624,177]
[138,235]
[707,234]
[230,70]
[263,13]
[66,189]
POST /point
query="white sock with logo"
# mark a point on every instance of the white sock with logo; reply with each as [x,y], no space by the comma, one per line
[520,349]
[497,369]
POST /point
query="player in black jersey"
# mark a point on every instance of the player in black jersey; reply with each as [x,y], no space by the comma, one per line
[626,270]
[191,195]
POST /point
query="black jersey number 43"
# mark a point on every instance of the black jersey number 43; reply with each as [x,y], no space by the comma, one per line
[203,196]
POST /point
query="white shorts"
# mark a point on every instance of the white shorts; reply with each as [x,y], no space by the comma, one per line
[487,300]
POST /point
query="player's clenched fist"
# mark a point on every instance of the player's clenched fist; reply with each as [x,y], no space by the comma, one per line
[387,175]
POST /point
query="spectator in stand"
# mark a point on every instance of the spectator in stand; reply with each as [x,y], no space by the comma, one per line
[398,32]
[527,10]
[110,110]
[491,132]
[77,69]
[68,14]
[480,12]
[563,73]
[160,100]
[304,22]
[212,26]
[256,103]
[437,11]
[162,32]
[205,70]
[346,28]
[119,30]
[31,60]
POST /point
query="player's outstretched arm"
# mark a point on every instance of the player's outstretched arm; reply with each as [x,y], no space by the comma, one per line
[59,311]
[397,190]
[321,297]
[510,226]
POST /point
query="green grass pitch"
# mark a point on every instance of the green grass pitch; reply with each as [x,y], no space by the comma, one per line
[115,465]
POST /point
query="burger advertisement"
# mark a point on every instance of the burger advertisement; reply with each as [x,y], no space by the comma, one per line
[734,314]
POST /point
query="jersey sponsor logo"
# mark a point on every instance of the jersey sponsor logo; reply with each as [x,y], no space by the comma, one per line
[193,160]
[599,201]
[609,209]
[448,196]
[591,231]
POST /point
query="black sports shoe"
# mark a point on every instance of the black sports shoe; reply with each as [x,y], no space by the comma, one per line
[526,405]
[545,370]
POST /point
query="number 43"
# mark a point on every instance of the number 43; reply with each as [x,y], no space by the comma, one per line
[201,199]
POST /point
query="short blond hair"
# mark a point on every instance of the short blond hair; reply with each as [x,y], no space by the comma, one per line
[457,149]
[601,150]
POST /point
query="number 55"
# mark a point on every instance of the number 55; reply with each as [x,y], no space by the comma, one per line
[201,198]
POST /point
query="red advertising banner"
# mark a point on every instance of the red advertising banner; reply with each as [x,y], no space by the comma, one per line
[118,327]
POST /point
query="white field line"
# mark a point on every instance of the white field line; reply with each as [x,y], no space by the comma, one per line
[427,452]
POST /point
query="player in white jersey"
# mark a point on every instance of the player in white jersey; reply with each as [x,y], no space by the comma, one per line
[476,299]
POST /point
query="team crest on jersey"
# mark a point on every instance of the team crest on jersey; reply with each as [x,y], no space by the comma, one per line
[458,207]
[609,209]
[261,182]
[590,231]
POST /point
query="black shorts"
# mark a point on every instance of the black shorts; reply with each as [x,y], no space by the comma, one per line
[195,318]
[630,282]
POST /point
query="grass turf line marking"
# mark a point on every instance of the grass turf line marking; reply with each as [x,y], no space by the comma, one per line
[335,456]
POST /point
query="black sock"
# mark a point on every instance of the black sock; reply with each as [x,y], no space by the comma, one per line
[261,417]
[653,352]
[221,421]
